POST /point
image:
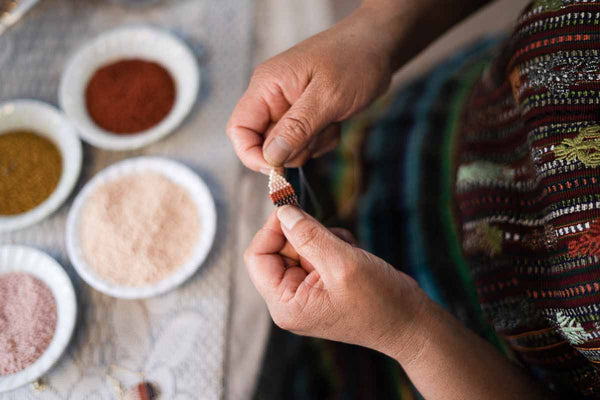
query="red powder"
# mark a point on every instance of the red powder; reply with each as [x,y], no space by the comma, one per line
[27,321]
[130,96]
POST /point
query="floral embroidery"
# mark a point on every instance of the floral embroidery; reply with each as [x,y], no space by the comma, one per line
[571,329]
[587,244]
[484,238]
[584,147]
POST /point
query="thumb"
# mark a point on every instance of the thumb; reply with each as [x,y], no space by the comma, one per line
[312,240]
[292,133]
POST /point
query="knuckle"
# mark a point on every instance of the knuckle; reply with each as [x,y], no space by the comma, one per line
[229,130]
[282,321]
[264,71]
[260,70]
[297,128]
[247,256]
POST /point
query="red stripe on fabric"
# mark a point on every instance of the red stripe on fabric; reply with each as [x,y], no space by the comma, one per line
[559,43]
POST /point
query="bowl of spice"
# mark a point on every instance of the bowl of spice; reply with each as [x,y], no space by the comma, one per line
[40,161]
[129,87]
[37,314]
[141,227]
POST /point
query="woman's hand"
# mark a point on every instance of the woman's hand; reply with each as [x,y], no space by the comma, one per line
[294,101]
[290,109]
[315,283]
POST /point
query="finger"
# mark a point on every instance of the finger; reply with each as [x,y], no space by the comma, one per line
[249,120]
[292,278]
[292,133]
[265,266]
[312,240]
[326,141]
[275,277]
[269,239]
[319,145]
[279,170]
[345,235]
[289,253]
[290,262]
[247,144]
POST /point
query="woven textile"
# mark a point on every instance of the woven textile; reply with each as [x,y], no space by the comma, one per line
[528,196]
[176,340]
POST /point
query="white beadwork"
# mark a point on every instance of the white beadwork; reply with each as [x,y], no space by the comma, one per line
[276,182]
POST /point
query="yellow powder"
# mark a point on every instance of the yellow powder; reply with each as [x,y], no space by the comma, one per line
[30,168]
[139,229]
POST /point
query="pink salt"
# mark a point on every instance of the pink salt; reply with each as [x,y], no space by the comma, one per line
[27,320]
[139,229]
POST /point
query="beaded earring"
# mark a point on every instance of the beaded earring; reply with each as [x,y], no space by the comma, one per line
[280,190]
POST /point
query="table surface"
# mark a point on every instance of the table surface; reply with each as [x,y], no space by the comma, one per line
[177,340]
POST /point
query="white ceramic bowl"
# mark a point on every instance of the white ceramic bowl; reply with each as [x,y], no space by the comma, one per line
[47,121]
[126,43]
[46,269]
[177,173]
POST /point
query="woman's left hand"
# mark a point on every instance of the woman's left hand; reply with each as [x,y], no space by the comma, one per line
[315,283]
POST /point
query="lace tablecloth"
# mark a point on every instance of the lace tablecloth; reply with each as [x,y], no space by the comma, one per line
[176,340]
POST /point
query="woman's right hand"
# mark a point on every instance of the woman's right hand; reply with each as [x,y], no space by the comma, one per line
[294,100]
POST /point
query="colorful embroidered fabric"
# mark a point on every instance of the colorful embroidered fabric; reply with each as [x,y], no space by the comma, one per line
[481,180]
[530,226]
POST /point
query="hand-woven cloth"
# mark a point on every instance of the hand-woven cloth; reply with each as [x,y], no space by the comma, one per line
[176,340]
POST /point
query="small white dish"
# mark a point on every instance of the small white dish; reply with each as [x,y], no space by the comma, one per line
[47,121]
[177,173]
[126,43]
[46,269]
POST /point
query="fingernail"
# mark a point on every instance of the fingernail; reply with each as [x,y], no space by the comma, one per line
[278,151]
[289,216]
[265,171]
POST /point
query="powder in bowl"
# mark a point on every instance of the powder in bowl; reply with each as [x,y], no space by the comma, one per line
[30,169]
[138,229]
[130,96]
[27,320]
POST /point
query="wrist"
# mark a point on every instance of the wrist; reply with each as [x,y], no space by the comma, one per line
[409,26]
[406,334]
[390,27]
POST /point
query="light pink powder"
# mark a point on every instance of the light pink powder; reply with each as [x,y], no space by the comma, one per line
[27,320]
[139,229]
